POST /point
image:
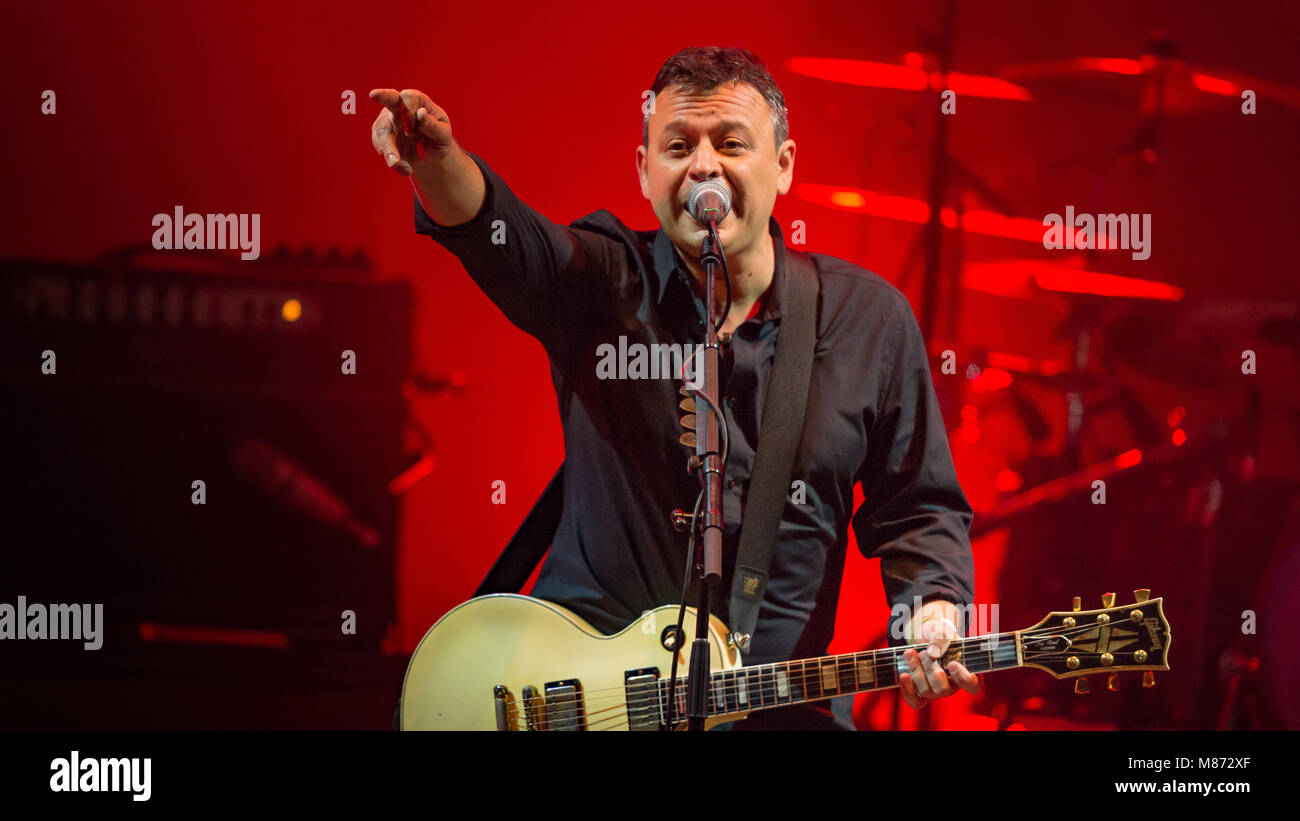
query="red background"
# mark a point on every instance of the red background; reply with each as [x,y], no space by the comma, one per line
[234,107]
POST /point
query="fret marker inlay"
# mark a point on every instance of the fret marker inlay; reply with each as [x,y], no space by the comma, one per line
[866,673]
[830,677]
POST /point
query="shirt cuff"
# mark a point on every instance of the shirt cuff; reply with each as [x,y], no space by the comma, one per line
[928,592]
[424,224]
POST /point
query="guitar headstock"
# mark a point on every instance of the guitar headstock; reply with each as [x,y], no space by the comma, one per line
[1109,640]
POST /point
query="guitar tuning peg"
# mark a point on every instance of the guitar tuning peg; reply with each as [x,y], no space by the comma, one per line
[1078,604]
[687,404]
[1142,594]
[1148,679]
[1107,599]
[1081,686]
[682,390]
[1112,682]
[687,439]
[688,421]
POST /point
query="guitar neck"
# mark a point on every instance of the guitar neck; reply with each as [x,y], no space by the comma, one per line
[764,686]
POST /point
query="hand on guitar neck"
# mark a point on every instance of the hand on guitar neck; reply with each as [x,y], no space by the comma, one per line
[928,679]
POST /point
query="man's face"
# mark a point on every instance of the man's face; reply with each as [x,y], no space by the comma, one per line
[724,135]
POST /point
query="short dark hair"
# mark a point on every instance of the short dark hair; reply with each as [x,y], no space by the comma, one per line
[701,70]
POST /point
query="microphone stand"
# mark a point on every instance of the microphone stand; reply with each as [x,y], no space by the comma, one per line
[709,567]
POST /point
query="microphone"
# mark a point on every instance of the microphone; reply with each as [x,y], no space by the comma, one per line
[708,201]
[280,478]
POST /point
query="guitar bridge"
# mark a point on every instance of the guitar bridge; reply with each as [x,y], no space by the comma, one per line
[506,711]
[534,708]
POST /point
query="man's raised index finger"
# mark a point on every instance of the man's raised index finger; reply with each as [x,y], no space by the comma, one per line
[389,98]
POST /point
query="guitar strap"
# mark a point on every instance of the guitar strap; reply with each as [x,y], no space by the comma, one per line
[782,427]
[778,438]
[526,548]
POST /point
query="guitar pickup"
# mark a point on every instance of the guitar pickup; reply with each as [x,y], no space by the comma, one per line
[641,691]
[565,710]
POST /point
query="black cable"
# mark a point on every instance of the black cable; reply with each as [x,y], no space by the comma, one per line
[678,635]
[726,274]
[698,394]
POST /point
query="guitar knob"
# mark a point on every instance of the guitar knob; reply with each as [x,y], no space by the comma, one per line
[1112,682]
[1142,594]
[1148,679]
[1081,686]
[1107,599]
[1078,604]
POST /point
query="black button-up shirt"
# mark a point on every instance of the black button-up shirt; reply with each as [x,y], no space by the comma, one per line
[872,417]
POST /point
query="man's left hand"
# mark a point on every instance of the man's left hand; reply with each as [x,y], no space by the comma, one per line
[927,679]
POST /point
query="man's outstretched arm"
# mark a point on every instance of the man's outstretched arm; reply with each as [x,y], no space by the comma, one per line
[413,135]
[549,280]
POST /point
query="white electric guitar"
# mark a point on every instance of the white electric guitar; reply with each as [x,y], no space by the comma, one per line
[507,662]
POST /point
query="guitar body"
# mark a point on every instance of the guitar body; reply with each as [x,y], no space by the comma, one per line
[471,670]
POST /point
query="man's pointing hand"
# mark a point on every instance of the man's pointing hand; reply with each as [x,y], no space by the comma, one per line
[410,130]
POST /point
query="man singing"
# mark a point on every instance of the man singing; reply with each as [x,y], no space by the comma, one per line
[871,416]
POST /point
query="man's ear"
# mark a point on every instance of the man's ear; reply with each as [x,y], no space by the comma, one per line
[641,171]
[785,166]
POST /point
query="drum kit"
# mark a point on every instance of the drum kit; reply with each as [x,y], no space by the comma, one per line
[1133,356]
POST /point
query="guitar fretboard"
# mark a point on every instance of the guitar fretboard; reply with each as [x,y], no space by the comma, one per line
[764,686]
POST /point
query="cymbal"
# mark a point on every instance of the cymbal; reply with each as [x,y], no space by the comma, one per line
[1136,83]
[1026,277]
[1201,344]
[912,75]
[917,212]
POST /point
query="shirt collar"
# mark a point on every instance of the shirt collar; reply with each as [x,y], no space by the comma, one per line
[668,266]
